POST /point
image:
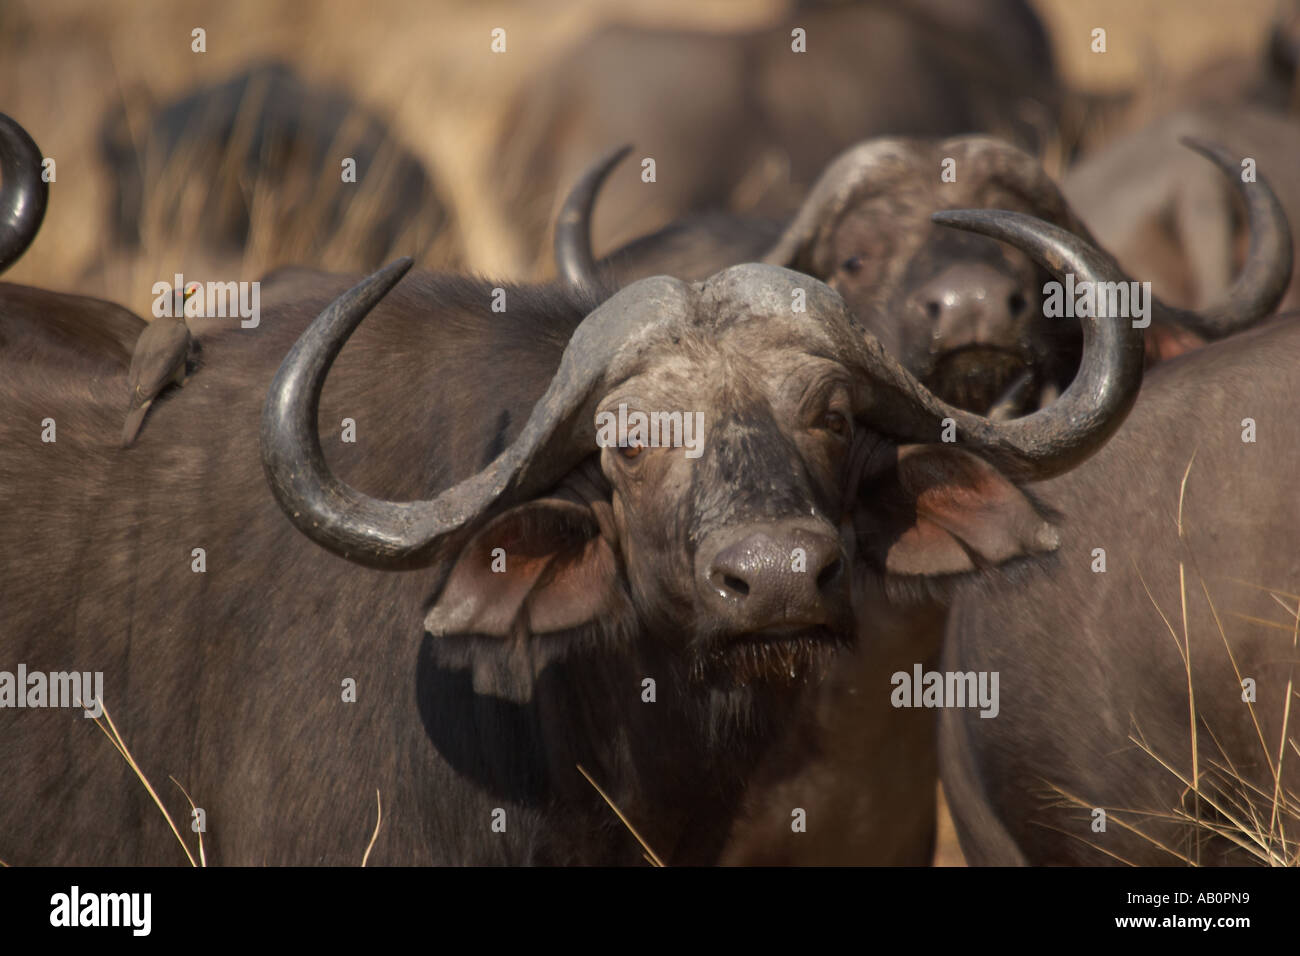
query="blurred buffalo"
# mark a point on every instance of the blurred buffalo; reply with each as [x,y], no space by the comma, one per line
[250,172]
[746,123]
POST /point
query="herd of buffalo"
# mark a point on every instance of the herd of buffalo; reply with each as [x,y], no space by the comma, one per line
[970,504]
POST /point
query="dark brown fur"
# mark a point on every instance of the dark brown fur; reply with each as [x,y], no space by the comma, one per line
[1087,660]
[230,680]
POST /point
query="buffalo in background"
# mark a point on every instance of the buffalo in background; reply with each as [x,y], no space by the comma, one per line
[962,312]
[741,122]
[1170,218]
[253,166]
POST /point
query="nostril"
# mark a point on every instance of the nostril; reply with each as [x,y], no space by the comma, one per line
[735,584]
[932,309]
[830,574]
[1016,303]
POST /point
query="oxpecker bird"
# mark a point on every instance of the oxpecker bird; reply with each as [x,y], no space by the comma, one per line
[160,358]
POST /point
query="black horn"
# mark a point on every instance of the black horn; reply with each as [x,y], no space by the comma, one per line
[605,347]
[575,262]
[1264,277]
[23,192]
[389,534]
[1059,436]
[873,165]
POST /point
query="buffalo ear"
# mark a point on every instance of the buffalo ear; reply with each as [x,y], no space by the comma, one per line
[1164,340]
[538,568]
[941,510]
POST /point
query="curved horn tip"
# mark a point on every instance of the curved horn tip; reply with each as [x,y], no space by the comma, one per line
[379,283]
[618,153]
[582,198]
[20,132]
[957,217]
[320,505]
[1215,152]
[397,268]
[1070,429]
[1262,280]
[369,291]
[997,223]
[24,192]
[575,262]
[595,174]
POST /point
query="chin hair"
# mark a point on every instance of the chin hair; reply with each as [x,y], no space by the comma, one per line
[974,378]
[786,663]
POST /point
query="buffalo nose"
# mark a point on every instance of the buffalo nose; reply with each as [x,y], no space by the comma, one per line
[975,304]
[775,575]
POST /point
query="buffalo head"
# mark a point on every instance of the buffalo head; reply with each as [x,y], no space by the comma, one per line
[819,456]
[961,312]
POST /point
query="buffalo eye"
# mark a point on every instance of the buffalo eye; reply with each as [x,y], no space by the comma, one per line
[852,266]
[835,423]
[630,452]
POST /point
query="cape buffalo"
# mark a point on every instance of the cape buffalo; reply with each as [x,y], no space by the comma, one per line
[1147,669]
[601,610]
[257,162]
[1167,216]
[963,313]
[746,122]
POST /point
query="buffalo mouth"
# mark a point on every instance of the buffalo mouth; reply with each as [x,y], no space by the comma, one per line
[976,377]
[777,656]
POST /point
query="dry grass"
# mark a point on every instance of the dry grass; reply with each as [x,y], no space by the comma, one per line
[105,724]
[379,820]
[648,854]
[287,224]
[109,729]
